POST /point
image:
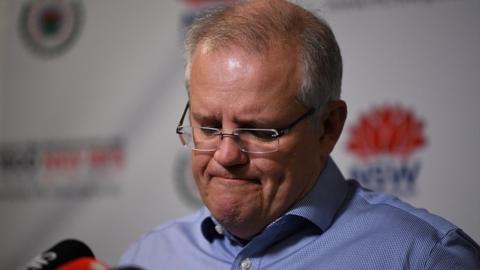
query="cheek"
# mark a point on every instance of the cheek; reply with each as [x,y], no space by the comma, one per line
[306,164]
[273,172]
[199,164]
[271,167]
[295,165]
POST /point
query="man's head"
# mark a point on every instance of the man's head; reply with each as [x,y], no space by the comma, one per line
[262,64]
[256,26]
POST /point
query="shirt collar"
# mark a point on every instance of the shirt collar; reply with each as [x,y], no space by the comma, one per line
[319,206]
[208,228]
[323,201]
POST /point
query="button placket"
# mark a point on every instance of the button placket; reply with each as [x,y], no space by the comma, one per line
[245,264]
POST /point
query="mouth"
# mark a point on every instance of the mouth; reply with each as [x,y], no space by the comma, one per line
[234,180]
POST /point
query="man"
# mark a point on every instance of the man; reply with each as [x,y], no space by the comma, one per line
[263,115]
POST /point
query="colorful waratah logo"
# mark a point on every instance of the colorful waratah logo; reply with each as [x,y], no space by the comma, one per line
[384,142]
[50,27]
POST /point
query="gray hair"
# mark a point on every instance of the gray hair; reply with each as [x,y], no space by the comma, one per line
[258,25]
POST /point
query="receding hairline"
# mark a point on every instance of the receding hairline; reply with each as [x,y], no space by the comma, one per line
[247,26]
[253,25]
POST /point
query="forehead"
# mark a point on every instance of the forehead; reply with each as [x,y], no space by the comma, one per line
[233,80]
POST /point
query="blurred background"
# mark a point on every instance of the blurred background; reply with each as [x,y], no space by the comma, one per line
[91,92]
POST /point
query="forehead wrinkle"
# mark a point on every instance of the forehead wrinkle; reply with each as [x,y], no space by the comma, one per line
[241,117]
[241,66]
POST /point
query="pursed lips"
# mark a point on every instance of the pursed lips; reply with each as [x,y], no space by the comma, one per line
[233,180]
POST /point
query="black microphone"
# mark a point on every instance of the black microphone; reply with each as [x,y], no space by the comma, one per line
[61,253]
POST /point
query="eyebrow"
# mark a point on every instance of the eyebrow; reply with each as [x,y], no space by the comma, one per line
[212,119]
[204,118]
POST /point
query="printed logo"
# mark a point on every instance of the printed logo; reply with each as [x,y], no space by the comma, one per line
[41,261]
[50,27]
[67,169]
[384,142]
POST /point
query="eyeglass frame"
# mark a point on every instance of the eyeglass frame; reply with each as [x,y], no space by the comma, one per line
[280,132]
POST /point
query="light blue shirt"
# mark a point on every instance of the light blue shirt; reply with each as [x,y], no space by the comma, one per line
[338,225]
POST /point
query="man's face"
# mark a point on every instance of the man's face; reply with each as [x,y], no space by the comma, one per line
[231,88]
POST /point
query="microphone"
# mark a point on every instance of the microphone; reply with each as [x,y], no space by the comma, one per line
[84,263]
[87,263]
[61,253]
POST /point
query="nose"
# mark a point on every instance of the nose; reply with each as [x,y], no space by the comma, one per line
[229,153]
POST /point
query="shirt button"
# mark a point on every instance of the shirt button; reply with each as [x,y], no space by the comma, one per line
[219,229]
[246,264]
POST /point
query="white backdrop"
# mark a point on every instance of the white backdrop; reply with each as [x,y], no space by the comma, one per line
[2,56]
[123,78]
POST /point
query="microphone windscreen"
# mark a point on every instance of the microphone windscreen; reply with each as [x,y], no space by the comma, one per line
[61,253]
[85,263]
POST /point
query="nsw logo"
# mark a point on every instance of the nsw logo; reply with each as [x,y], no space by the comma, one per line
[384,142]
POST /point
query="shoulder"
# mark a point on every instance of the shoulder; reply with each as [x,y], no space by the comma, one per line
[408,232]
[392,209]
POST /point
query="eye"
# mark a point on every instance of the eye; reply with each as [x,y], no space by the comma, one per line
[206,131]
[258,134]
[262,134]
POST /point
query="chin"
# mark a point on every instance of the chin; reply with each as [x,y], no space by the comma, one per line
[239,221]
[225,210]
[228,217]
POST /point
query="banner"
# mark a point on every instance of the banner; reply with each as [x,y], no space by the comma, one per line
[91,92]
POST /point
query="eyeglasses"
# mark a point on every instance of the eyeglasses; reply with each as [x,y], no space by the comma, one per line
[250,140]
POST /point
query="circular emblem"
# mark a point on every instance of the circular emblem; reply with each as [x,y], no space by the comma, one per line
[50,27]
[185,182]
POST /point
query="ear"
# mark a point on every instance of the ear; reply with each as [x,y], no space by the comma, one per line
[332,123]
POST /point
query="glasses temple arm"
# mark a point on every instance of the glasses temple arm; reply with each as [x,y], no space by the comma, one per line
[283,131]
[184,114]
